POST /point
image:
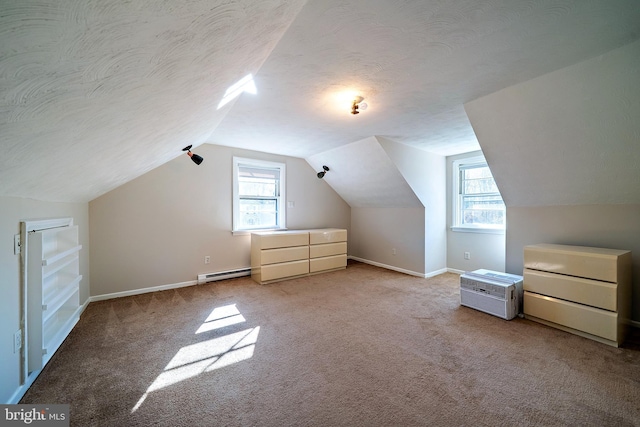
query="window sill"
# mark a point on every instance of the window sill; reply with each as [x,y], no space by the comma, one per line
[257,230]
[478,230]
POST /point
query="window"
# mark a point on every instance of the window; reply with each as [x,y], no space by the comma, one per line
[477,203]
[258,194]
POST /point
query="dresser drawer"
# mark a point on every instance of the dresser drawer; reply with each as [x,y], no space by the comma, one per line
[317,251]
[281,239]
[584,291]
[331,235]
[327,263]
[272,256]
[591,320]
[579,261]
[284,270]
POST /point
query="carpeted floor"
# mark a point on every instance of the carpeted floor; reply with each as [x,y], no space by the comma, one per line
[363,346]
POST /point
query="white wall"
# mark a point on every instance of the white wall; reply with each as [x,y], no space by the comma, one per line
[487,250]
[604,226]
[426,175]
[564,150]
[157,229]
[375,232]
[569,137]
[12,211]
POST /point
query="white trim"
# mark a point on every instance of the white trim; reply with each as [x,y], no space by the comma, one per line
[282,210]
[43,224]
[27,227]
[455,271]
[248,232]
[455,197]
[142,291]
[478,230]
[22,389]
[435,273]
[400,270]
[634,323]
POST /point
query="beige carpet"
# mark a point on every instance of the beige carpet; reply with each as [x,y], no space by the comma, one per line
[358,347]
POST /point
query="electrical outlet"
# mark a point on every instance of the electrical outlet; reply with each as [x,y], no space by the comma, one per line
[207,259]
[17,341]
[393,251]
[467,255]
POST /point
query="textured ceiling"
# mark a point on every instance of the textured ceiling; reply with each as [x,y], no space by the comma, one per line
[94,93]
[97,92]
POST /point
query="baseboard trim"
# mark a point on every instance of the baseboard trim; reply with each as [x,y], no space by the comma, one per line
[398,269]
[142,291]
[436,273]
[455,271]
[22,389]
[634,323]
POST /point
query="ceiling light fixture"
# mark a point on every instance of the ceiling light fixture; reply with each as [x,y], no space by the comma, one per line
[322,173]
[196,159]
[358,105]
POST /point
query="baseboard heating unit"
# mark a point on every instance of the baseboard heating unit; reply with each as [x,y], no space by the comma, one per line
[492,292]
[229,274]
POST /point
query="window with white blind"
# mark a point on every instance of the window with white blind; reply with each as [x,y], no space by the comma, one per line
[258,195]
[477,203]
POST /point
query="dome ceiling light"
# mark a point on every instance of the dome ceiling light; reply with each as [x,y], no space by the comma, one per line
[358,105]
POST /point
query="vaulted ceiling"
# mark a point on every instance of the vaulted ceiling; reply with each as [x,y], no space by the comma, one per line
[97,92]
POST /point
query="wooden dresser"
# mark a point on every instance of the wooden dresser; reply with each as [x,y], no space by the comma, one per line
[582,290]
[280,255]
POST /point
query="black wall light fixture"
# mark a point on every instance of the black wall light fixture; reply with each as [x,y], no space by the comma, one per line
[196,159]
[321,174]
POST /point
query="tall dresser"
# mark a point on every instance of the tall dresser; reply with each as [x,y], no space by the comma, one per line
[280,255]
[582,290]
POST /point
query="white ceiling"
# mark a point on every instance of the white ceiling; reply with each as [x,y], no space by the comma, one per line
[97,92]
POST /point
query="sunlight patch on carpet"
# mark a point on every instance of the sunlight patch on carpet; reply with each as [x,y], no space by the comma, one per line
[206,356]
[221,317]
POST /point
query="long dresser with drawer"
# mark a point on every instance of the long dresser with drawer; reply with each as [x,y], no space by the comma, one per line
[280,255]
[582,290]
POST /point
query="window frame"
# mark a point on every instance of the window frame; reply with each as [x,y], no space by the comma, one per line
[456,199]
[280,199]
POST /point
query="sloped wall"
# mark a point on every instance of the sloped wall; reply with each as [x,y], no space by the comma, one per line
[397,195]
[156,229]
[426,175]
[564,149]
[364,176]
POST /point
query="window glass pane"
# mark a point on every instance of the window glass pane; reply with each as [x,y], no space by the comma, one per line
[257,187]
[256,213]
[487,210]
[258,194]
[255,172]
[478,203]
[476,172]
[479,186]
